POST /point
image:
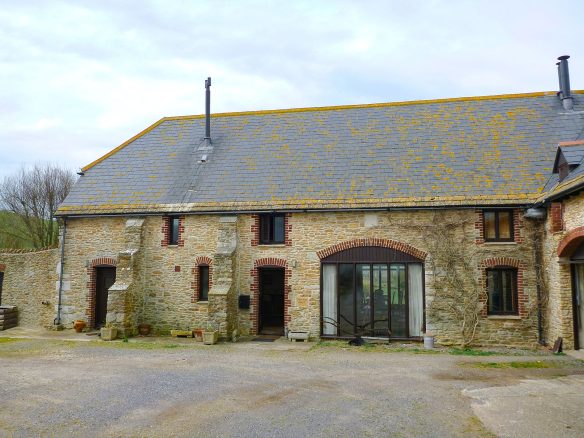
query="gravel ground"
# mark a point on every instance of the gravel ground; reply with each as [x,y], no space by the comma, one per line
[177,388]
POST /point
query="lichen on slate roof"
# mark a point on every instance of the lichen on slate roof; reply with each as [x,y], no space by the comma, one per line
[496,150]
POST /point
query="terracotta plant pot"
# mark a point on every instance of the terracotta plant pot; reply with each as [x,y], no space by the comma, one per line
[198,334]
[79,325]
[144,329]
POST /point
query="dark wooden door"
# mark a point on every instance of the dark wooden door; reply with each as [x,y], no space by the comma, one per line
[271,300]
[1,281]
[105,278]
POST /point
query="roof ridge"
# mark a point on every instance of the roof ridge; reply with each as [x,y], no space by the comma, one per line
[373,105]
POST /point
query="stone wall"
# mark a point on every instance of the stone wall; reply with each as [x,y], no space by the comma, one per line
[559,312]
[165,282]
[31,284]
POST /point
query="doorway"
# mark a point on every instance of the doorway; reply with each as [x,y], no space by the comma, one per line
[105,277]
[271,312]
[578,304]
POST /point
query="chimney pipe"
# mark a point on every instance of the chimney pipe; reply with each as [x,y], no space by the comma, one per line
[208,110]
[564,76]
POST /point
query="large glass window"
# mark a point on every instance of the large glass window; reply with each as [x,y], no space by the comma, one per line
[373,299]
[502,290]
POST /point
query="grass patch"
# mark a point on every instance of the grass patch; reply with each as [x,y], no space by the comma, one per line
[471,352]
[7,340]
[516,365]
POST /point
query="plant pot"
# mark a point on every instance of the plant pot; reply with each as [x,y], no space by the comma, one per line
[108,333]
[428,342]
[79,325]
[210,337]
[198,335]
[144,329]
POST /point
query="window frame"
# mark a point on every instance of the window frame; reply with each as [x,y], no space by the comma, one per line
[172,228]
[202,270]
[270,218]
[497,237]
[514,291]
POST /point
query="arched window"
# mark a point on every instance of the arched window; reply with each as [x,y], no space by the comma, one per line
[372,291]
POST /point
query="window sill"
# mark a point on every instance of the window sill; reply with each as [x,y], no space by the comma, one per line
[172,245]
[500,243]
[202,302]
[272,245]
[513,317]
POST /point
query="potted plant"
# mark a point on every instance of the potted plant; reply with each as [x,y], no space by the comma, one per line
[144,329]
[210,335]
[108,333]
[79,325]
[198,334]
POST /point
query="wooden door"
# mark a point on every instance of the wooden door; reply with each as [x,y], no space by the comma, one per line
[271,300]
[105,278]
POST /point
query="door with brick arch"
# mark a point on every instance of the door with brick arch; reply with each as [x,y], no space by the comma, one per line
[271,314]
[105,277]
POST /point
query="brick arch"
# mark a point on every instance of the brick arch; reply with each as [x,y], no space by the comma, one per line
[371,241]
[255,289]
[91,285]
[570,242]
[493,262]
[200,261]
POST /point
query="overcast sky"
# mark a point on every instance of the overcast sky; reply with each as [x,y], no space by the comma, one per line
[77,78]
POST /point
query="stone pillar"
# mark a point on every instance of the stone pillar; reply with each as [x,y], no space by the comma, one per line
[222,311]
[124,295]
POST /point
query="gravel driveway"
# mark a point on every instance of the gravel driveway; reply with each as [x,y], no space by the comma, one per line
[177,388]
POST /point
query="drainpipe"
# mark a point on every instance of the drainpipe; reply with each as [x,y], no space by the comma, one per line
[57,320]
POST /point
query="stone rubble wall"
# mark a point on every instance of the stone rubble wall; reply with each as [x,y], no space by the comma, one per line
[30,284]
[559,311]
[162,277]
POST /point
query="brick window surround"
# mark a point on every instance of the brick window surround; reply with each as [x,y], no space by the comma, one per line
[480,231]
[255,229]
[200,261]
[166,231]
[557,217]
[2,267]
[505,262]
[91,285]
[269,262]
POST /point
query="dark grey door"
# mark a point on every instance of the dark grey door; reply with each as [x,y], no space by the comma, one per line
[105,278]
[272,301]
[1,281]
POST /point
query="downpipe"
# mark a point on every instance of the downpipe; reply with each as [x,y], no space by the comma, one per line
[57,320]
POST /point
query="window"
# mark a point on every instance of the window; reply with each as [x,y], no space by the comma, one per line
[173,224]
[271,229]
[498,226]
[372,291]
[502,291]
[203,283]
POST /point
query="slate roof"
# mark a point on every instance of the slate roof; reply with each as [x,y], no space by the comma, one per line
[494,150]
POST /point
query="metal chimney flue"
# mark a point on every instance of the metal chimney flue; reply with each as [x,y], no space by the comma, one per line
[564,77]
[208,110]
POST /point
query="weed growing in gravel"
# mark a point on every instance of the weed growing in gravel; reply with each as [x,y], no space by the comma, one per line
[6,340]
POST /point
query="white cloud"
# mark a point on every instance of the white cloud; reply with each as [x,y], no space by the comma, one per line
[77,79]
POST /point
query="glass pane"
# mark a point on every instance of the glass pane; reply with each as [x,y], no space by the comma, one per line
[398,300]
[278,229]
[490,225]
[363,297]
[416,299]
[329,299]
[507,291]
[380,300]
[504,225]
[204,282]
[346,300]
[174,230]
[494,292]
[265,228]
